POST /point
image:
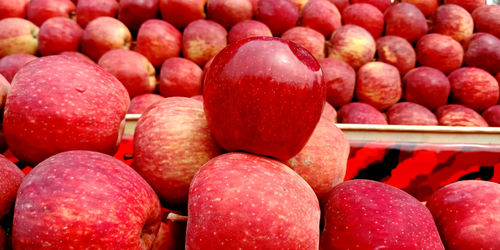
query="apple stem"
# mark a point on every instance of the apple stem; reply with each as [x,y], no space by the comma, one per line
[176,217]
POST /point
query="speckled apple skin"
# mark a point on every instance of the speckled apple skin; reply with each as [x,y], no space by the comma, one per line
[59,34]
[382,5]
[360,113]
[202,40]
[321,15]
[248,28]
[323,160]
[469,5]
[10,180]
[171,142]
[467,214]
[440,52]
[181,12]
[396,51]
[104,34]
[245,201]
[180,77]
[265,96]
[278,15]
[483,51]
[310,39]
[378,84]
[10,64]
[340,80]
[18,36]
[86,200]
[405,20]
[140,103]
[426,86]
[158,40]
[366,16]
[454,21]
[353,45]
[77,56]
[487,19]
[58,104]
[88,10]
[408,113]
[459,115]
[364,214]
[39,11]
[474,88]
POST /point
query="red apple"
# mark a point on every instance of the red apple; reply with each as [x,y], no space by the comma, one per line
[340,4]
[340,80]
[329,113]
[77,55]
[172,233]
[171,142]
[57,104]
[360,113]
[278,15]
[202,40]
[10,64]
[483,51]
[353,45]
[405,20]
[40,10]
[59,34]
[4,91]
[321,15]
[86,200]
[459,115]
[378,84]
[382,5]
[492,116]
[408,113]
[487,19]
[245,201]
[427,7]
[474,88]
[323,160]
[426,86]
[248,28]
[158,40]
[13,8]
[310,39]
[133,70]
[229,12]
[396,51]
[88,10]
[453,20]
[17,36]
[440,52]
[366,214]
[180,77]
[366,16]
[141,103]
[264,95]
[467,214]
[182,12]
[134,12]
[469,5]
[104,34]
[10,180]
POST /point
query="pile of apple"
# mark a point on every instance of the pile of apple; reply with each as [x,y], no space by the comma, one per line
[240,149]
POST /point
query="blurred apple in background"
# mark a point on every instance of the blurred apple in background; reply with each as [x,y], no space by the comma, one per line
[427,7]
[353,45]
[487,19]
[310,39]
[88,10]
[396,51]
[158,40]
[202,40]
[40,10]
[382,5]
[453,20]
[104,34]
[229,12]
[440,52]
[340,80]
[13,8]
[483,51]
[140,103]
[181,12]
[408,113]
[378,84]
[133,13]
[469,5]
[366,16]
[321,15]
[180,77]
[59,34]
[360,113]
[459,115]
[246,29]
[278,15]
[405,20]
[492,116]
[426,86]
[340,4]
[474,88]
[18,36]
[9,65]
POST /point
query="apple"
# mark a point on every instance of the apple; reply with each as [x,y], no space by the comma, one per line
[353,45]
[321,15]
[329,113]
[310,39]
[171,142]
[492,116]
[77,55]
[4,91]
[18,36]
[58,104]
[85,199]
[229,12]
[40,10]
[134,12]
[366,16]
[248,28]
[340,4]
[340,80]
[483,51]
[323,160]
[459,115]
[158,40]
[360,113]
[172,233]
[13,8]
[378,84]
[487,19]
[59,34]
[88,10]
[405,20]
[104,34]
[469,5]
[474,88]
[245,201]
[141,103]
[454,21]
[367,214]
[203,39]
[278,15]
[181,12]
[133,70]
[427,7]
[382,5]
[9,65]
[408,113]
[467,214]
[440,52]
[426,86]
[180,77]
[396,51]
[11,178]
[254,93]
[300,3]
